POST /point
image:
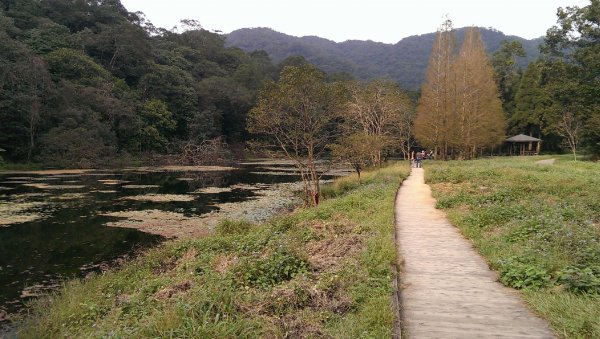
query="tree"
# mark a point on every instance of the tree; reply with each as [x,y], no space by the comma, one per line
[570,127]
[532,103]
[507,72]
[382,111]
[404,130]
[459,111]
[433,123]
[477,111]
[295,116]
[84,144]
[356,149]
[572,52]
[69,65]
[157,124]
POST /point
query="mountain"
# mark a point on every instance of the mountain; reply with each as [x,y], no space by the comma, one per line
[404,62]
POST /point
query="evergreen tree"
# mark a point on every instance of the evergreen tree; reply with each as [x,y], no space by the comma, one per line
[532,104]
[508,73]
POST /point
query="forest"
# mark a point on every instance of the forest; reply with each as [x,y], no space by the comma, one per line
[87,83]
[84,83]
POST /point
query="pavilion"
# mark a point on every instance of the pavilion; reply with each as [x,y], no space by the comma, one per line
[524,145]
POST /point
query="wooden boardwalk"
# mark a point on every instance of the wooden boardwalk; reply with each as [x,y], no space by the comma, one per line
[447,289]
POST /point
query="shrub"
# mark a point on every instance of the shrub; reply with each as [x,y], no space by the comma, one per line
[581,279]
[519,273]
[280,266]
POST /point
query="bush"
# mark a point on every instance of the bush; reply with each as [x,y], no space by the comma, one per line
[581,279]
[520,274]
[280,266]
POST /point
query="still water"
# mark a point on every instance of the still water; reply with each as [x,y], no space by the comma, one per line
[53,227]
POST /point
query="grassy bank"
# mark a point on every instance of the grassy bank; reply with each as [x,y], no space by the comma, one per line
[538,225]
[323,271]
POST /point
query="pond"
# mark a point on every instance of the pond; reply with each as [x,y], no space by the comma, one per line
[58,225]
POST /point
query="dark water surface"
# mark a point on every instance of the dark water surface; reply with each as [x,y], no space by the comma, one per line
[71,238]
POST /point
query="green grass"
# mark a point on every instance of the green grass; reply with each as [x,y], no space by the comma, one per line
[322,271]
[538,225]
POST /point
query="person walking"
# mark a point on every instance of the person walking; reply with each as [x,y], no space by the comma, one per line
[418,159]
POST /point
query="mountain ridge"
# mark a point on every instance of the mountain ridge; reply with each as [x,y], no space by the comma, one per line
[404,61]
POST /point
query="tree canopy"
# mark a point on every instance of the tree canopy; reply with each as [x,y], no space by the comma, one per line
[109,74]
[296,117]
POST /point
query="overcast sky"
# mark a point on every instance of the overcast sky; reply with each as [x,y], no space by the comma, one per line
[379,20]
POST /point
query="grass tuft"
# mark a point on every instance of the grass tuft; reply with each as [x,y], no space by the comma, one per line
[229,227]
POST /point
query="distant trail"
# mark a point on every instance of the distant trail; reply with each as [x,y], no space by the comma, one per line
[447,289]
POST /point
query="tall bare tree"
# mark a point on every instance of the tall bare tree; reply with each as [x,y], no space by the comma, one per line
[295,117]
[434,111]
[570,127]
[381,111]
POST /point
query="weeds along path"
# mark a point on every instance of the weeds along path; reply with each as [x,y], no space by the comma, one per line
[447,289]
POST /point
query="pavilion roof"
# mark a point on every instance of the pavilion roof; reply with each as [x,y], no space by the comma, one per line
[522,138]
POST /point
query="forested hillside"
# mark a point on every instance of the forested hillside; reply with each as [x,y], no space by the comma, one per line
[404,62]
[83,81]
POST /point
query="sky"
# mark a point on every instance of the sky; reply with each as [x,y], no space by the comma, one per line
[379,20]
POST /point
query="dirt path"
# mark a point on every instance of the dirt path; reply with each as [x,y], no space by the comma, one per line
[447,289]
